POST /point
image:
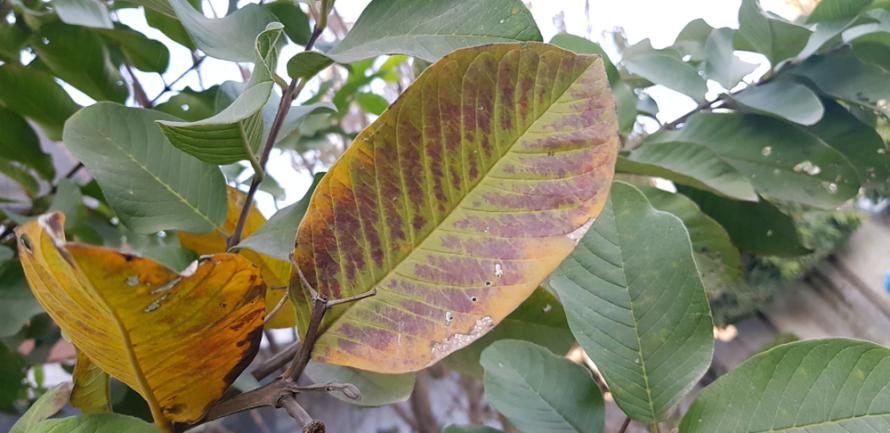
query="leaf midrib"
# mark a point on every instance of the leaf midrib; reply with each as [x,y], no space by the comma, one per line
[630,305]
[147,392]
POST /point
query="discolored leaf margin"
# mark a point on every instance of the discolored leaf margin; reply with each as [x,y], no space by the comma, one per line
[205,325]
[460,232]
[275,271]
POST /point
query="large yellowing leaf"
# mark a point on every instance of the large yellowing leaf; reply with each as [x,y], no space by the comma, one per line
[275,272]
[457,202]
[178,340]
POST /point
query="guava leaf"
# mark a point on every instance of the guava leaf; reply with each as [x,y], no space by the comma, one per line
[92,387]
[177,340]
[456,203]
[46,406]
[638,306]
[275,272]
[828,386]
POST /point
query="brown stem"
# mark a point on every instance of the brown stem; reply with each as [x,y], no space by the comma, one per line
[138,90]
[624,425]
[268,395]
[70,174]
[474,399]
[297,412]
[287,97]
[506,426]
[273,364]
[420,405]
[169,86]
[295,369]
[277,308]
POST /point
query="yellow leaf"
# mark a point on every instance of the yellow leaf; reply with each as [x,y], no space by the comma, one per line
[91,393]
[275,272]
[456,203]
[177,340]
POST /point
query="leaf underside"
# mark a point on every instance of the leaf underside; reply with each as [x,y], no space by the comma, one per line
[820,386]
[457,202]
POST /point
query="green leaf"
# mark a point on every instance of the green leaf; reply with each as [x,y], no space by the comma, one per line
[665,68]
[847,78]
[585,46]
[783,99]
[233,135]
[296,22]
[306,64]
[78,56]
[150,184]
[46,406]
[540,392]
[470,429]
[376,389]
[626,105]
[692,39]
[859,143]
[191,105]
[34,94]
[780,160]
[21,175]
[875,29]
[758,228]
[238,132]
[429,29]
[541,319]
[229,38]
[638,307]
[170,26]
[768,34]
[827,10]
[92,387]
[832,385]
[823,33]
[371,102]
[143,53]
[89,13]
[18,142]
[100,423]
[721,64]
[12,40]
[276,237]
[13,374]
[688,165]
[718,260]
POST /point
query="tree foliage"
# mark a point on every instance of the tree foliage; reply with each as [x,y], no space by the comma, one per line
[474,220]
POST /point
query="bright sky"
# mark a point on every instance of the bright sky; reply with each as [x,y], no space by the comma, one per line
[658,20]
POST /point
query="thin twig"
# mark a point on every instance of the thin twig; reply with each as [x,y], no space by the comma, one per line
[169,86]
[297,412]
[277,308]
[276,362]
[421,406]
[290,93]
[624,425]
[70,174]
[138,90]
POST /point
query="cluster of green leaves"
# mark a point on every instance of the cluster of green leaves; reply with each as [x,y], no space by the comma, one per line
[635,292]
